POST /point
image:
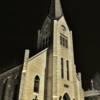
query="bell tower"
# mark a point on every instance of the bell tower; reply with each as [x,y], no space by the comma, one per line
[56,36]
[46,32]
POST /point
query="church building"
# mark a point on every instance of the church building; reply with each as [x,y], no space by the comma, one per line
[50,74]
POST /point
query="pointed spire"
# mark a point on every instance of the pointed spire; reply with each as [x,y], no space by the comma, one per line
[55,9]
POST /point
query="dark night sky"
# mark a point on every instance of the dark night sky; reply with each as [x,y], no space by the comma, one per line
[21,19]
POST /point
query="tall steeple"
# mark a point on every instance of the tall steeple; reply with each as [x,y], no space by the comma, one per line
[55,9]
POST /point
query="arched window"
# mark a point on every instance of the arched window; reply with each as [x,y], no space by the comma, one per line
[66,97]
[63,27]
[36,84]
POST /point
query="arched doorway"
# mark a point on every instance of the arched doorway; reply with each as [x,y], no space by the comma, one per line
[66,97]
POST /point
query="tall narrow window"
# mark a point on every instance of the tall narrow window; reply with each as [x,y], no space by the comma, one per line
[46,42]
[64,41]
[61,40]
[62,68]
[49,40]
[16,88]
[67,65]
[43,43]
[4,90]
[36,84]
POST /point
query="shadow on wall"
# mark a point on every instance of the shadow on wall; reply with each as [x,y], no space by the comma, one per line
[96,80]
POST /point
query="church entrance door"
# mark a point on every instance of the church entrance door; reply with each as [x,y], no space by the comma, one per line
[66,97]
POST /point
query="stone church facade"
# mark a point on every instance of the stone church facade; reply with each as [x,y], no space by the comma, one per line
[51,73]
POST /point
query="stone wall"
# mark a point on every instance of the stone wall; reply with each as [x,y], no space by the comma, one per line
[9,84]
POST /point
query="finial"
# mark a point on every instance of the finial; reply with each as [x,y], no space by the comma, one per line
[92,84]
